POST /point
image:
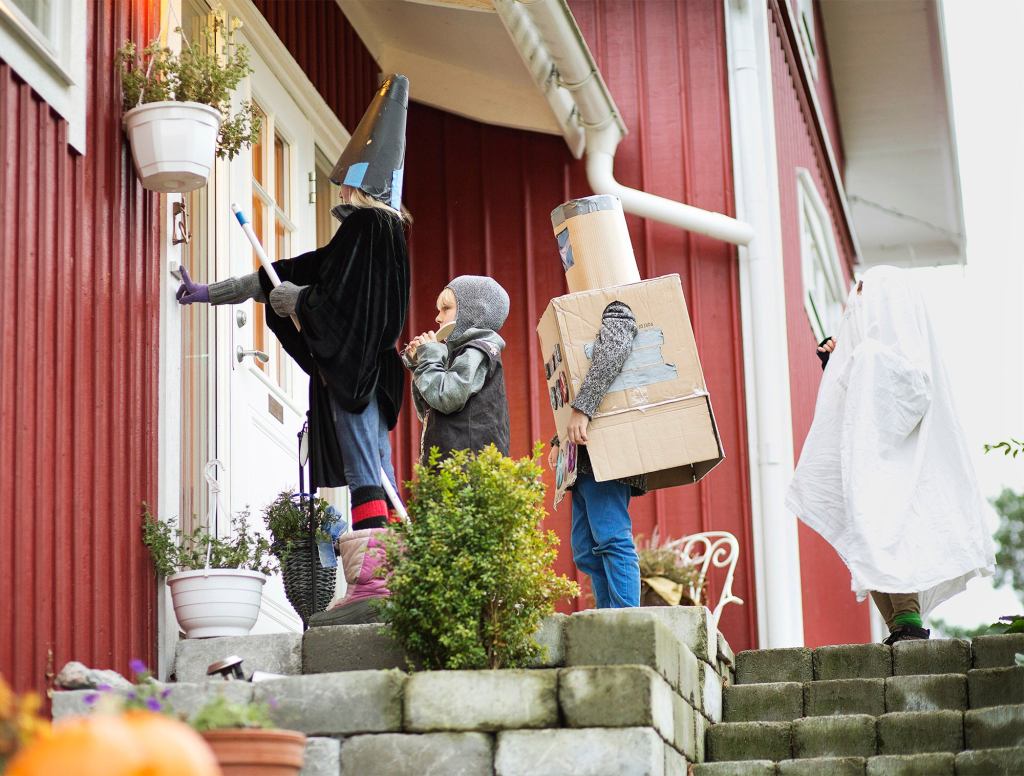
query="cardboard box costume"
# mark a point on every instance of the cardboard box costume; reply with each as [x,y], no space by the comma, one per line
[656,419]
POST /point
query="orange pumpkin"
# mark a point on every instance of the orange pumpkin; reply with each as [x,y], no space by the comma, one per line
[137,743]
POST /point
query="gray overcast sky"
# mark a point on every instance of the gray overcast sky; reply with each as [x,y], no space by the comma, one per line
[977,309]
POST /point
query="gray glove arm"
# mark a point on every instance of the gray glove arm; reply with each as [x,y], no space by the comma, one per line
[612,348]
[284,298]
[237,290]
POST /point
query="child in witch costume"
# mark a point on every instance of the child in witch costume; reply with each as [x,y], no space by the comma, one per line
[350,297]
[884,474]
[459,386]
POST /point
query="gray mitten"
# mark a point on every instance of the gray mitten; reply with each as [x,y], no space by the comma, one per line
[284,298]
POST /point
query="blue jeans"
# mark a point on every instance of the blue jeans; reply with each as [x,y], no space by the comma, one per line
[365,445]
[602,541]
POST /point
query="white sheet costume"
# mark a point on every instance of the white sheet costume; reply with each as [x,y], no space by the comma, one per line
[884,474]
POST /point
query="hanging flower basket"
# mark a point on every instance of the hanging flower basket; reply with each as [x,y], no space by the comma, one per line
[297,572]
[216,602]
[173,144]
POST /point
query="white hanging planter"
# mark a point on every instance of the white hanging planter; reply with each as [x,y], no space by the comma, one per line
[173,144]
[216,602]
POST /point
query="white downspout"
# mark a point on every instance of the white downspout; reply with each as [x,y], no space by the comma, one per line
[765,344]
[553,49]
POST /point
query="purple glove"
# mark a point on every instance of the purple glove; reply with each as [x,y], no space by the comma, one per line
[189,292]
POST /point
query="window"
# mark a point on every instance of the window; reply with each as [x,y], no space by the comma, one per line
[271,220]
[808,42]
[824,279]
[43,42]
[325,197]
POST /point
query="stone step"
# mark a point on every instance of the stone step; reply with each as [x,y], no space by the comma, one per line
[582,752]
[877,661]
[846,736]
[995,686]
[729,741]
[831,697]
[931,764]
[926,692]
[322,757]
[1005,761]
[920,732]
[398,754]
[767,702]
[995,727]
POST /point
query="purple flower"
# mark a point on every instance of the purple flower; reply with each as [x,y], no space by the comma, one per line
[272,703]
[138,667]
[166,693]
[153,704]
[91,698]
[132,696]
[104,687]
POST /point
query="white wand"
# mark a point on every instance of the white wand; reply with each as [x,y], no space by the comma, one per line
[260,253]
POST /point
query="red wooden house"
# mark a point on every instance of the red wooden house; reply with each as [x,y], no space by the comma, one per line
[806,138]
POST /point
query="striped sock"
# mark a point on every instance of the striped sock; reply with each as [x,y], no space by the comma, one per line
[369,508]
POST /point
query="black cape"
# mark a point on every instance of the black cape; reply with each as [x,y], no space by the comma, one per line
[352,313]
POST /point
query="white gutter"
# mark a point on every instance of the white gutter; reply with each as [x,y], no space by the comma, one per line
[554,51]
[765,343]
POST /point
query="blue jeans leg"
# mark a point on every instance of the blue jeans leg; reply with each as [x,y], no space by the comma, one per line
[606,510]
[365,446]
[583,551]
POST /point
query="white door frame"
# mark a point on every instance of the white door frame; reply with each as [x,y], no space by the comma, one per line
[330,136]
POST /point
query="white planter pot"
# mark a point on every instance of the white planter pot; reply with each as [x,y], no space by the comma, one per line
[218,602]
[173,144]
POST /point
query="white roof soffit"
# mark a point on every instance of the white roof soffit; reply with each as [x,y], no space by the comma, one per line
[459,58]
[890,73]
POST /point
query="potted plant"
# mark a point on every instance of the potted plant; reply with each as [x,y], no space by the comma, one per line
[666,577]
[244,740]
[216,584]
[178,106]
[470,573]
[295,545]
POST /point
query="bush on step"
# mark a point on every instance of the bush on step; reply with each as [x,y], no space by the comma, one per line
[471,573]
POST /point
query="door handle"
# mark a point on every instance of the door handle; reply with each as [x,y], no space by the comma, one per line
[259,355]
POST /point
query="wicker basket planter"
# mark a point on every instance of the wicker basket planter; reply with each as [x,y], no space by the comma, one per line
[297,572]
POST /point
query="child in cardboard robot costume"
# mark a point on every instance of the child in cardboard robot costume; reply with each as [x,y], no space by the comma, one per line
[632,411]
[350,298]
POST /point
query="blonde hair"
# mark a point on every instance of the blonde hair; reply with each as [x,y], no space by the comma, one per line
[360,198]
[447,296]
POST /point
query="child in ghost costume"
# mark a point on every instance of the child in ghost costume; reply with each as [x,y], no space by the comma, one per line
[885,475]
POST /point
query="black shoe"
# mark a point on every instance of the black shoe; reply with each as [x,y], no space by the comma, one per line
[907,633]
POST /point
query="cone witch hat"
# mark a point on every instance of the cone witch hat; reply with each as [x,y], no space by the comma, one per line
[374,158]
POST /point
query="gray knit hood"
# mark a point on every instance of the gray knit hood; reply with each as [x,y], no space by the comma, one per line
[481,304]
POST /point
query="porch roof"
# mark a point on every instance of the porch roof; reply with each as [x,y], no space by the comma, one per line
[891,79]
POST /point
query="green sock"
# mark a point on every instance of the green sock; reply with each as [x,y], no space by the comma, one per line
[908,618]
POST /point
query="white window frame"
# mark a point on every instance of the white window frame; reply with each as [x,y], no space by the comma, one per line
[54,67]
[806,33]
[821,266]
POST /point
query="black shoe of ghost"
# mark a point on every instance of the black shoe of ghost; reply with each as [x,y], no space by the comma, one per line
[907,633]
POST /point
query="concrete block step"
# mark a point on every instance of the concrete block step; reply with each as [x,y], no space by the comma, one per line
[759,666]
[931,656]
[480,700]
[927,692]
[831,697]
[768,702]
[398,754]
[917,732]
[736,768]
[996,651]
[728,741]
[852,661]
[275,653]
[583,752]
[322,757]
[995,727]
[932,764]
[1005,761]
[816,766]
[995,686]
[844,736]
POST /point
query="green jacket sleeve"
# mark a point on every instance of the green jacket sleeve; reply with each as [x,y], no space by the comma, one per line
[448,388]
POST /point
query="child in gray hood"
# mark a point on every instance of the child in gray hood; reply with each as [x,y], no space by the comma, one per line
[458,386]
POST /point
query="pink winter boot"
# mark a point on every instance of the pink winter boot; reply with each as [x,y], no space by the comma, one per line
[362,553]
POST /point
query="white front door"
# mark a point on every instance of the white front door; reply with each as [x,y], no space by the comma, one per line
[266,401]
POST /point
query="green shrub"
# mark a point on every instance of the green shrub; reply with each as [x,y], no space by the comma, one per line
[471,574]
[222,714]
[287,519]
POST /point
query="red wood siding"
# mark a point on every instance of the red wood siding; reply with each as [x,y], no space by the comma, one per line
[831,613]
[79,295]
[482,195]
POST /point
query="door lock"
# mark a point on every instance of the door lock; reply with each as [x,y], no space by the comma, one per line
[259,355]
[240,318]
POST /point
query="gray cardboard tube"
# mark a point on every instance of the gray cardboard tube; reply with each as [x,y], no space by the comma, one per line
[577,207]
